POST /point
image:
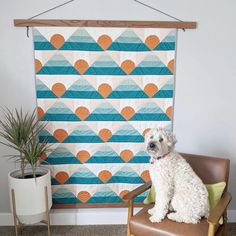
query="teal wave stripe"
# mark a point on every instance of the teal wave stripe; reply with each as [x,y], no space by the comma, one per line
[40,42]
[59,112]
[83,139]
[82,94]
[57,70]
[127,134]
[105,195]
[151,65]
[150,117]
[126,175]
[108,199]
[166,91]
[128,41]
[57,65]
[83,134]
[60,117]
[164,94]
[127,89]
[165,46]
[150,112]
[105,112]
[81,88]
[140,157]
[81,40]
[168,43]
[151,71]
[105,155]
[61,156]
[104,65]
[42,91]
[64,196]
[45,135]
[104,71]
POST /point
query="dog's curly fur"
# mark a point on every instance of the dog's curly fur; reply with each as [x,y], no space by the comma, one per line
[179,190]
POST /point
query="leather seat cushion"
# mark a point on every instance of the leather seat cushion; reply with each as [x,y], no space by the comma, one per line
[140,225]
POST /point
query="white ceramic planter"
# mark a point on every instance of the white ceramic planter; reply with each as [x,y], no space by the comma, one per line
[30,195]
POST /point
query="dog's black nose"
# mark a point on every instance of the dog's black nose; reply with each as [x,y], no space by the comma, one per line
[161,140]
[152,145]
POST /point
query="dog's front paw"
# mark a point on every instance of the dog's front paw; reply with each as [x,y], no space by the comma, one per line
[156,218]
[175,217]
[151,211]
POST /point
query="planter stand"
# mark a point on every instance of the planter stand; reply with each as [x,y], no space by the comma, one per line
[18,224]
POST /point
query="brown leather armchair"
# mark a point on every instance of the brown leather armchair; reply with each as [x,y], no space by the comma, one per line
[211,170]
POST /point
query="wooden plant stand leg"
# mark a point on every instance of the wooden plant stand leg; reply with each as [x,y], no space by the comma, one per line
[19,225]
[47,210]
[13,199]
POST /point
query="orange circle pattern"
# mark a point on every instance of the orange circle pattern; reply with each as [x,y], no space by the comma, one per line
[152,41]
[127,112]
[82,112]
[171,65]
[123,193]
[42,157]
[83,156]
[38,65]
[40,112]
[83,196]
[126,155]
[62,177]
[58,89]
[127,66]
[169,112]
[104,175]
[105,90]
[60,135]
[81,66]
[150,89]
[105,134]
[57,40]
[104,41]
[145,176]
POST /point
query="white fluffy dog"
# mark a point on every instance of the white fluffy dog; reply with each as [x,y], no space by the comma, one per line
[178,188]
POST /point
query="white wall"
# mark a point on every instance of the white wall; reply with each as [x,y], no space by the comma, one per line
[206,74]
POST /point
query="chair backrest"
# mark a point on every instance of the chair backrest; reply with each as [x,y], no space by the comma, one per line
[210,169]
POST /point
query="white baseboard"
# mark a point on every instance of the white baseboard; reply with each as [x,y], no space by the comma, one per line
[231,216]
[89,216]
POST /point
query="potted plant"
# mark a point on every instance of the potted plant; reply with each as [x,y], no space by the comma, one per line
[20,132]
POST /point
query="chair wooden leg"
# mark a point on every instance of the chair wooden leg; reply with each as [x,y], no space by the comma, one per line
[211,229]
[225,224]
[47,210]
[130,214]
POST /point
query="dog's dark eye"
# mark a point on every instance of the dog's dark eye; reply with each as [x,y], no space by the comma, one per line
[151,137]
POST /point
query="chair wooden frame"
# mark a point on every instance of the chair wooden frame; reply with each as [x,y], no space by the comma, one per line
[219,211]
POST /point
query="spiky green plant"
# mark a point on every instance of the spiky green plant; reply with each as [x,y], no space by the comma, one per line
[32,151]
[20,132]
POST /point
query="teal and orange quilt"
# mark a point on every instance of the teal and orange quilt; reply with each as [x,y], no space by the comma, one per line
[98,89]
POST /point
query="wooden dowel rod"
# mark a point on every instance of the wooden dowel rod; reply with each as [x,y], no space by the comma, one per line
[107,23]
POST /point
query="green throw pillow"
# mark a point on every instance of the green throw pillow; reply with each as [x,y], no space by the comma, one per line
[215,192]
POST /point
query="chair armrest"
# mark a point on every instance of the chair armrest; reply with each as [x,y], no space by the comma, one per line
[219,210]
[132,194]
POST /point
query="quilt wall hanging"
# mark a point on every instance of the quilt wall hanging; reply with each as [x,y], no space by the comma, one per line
[98,89]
